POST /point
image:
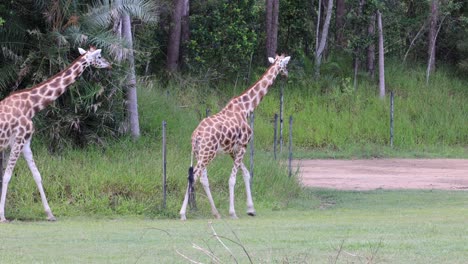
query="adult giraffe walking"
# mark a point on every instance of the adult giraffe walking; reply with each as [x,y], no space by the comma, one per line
[228,131]
[18,109]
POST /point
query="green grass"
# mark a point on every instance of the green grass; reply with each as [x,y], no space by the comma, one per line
[370,227]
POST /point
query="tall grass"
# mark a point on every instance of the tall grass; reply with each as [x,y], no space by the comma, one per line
[124,177]
[330,115]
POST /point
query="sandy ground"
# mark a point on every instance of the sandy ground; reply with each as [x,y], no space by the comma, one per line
[444,174]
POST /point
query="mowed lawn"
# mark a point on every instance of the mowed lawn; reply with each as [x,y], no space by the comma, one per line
[322,226]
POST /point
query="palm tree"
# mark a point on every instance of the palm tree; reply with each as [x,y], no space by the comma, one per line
[57,28]
[119,13]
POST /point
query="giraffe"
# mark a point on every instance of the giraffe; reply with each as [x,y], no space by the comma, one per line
[18,109]
[229,132]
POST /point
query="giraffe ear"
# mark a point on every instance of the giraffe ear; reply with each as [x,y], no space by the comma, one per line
[95,52]
[271,60]
[82,51]
[286,60]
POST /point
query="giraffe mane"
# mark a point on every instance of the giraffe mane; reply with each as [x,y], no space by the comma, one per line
[48,79]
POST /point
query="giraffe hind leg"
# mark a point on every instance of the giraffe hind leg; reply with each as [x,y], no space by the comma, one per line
[27,153]
[14,154]
[183,210]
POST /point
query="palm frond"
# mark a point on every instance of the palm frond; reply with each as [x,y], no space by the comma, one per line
[76,37]
[145,10]
[8,75]
[99,15]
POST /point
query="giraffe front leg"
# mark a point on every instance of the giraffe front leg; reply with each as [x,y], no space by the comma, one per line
[27,153]
[250,205]
[14,154]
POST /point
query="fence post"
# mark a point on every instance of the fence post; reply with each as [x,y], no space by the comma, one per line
[275,134]
[290,145]
[252,119]
[391,118]
[281,116]
[164,124]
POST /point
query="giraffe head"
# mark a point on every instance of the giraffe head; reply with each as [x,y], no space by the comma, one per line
[93,57]
[281,62]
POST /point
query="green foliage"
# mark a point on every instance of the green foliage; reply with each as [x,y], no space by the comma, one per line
[296,29]
[223,36]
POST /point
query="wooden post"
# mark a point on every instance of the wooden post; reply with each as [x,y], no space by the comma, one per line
[164,124]
[290,145]
[391,118]
[252,119]
[275,134]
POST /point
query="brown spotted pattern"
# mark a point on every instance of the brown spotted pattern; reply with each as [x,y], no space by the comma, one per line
[229,132]
[16,126]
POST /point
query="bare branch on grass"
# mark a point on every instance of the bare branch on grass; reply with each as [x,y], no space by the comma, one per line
[207,252]
[187,258]
[220,241]
[338,253]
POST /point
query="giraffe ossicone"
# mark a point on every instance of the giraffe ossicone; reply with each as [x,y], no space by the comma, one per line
[18,109]
[228,131]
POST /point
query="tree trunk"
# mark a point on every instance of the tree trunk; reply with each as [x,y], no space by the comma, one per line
[323,39]
[173,47]
[132,101]
[317,28]
[381,57]
[371,48]
[432,35]
[358,31]
[184,31]
[413,41]
[272,13]
[339,22]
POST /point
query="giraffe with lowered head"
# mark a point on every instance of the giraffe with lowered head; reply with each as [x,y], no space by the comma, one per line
[18,109]
[229,132]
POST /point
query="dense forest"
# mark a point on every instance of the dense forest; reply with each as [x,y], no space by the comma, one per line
[215,42]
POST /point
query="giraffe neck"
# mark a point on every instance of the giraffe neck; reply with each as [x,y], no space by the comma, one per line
[251,98]
[41,95]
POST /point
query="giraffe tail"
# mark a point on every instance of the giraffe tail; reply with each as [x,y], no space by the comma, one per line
[191,189]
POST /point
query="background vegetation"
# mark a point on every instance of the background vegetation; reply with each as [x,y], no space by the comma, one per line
[90,165]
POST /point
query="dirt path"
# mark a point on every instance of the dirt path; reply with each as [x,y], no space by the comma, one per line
[444,174]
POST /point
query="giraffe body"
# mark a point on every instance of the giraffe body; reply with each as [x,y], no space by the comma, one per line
[18,109]
[229,132]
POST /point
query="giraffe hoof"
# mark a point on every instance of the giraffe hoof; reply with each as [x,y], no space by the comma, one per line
[4,221]
[253,213]
[217,216]
[51,219]
[183,218]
